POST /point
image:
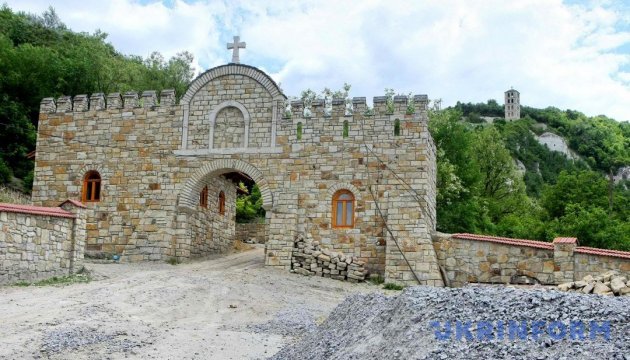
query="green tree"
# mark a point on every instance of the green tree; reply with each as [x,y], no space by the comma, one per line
[40,57]
[249,206]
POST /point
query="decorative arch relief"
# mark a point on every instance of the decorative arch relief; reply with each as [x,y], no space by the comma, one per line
[225,126]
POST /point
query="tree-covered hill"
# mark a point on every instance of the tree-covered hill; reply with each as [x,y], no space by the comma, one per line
[480,189]
[40,57]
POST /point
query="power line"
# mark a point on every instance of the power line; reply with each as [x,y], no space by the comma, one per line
[378,208]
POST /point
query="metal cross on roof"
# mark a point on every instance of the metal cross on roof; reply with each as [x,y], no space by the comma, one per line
[234,47]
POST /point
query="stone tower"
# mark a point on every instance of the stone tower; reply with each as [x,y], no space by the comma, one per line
[512,105]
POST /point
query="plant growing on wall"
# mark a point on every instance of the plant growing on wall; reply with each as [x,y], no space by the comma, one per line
[308,96]
[389,101]
[411,105]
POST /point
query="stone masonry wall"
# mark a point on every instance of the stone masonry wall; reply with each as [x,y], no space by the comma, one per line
[593,262]
[470,258]
[211,232]
[38,243]
[251,231]
[153,158]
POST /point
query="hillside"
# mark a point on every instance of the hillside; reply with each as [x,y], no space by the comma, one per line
[481,190]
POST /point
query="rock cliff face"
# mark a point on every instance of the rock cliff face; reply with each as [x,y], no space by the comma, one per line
[556,143]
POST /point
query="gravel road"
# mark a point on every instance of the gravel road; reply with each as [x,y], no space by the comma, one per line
[229,307]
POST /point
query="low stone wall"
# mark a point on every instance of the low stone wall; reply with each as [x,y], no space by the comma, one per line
[469,258]
[40,242]
[256,232]
[590,261]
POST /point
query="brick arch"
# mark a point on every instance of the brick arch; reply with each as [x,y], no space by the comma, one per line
[102,171]
[344,186]
[190,193]
[232,69]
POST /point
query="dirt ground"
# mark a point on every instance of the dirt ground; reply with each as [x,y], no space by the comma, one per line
[229,307]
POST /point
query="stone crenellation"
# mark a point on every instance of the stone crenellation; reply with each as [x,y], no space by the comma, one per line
[100,102]
[149,99]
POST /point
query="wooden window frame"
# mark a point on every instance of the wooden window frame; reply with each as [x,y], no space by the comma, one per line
[335,201]
[94,178]
[221,203]
[203,197]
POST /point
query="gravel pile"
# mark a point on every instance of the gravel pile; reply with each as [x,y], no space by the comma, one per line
[289,322]
[74,338]
[413,325]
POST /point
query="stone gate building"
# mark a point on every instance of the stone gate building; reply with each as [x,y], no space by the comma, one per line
[158,177]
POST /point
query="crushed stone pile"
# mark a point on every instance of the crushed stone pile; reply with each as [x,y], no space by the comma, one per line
[608,283]
[471,323]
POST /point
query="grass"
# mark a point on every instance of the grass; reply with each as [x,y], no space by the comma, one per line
[392,286]
[376,279]
[173,261]
[57,280]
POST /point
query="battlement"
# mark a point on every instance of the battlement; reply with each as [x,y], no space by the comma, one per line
[98,101]
[358,105]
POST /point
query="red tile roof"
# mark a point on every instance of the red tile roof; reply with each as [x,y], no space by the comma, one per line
[565,240]
[602,252]
[75,203]
[507,241]
[36,210]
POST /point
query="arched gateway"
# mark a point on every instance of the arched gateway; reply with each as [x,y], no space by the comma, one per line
[172,171]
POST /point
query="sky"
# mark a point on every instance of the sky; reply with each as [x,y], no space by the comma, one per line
[567,54]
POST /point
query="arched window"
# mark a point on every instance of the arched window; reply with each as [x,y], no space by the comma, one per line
[221,203]
[92,187]
[346,128]
[397,127]
[343,209]
[203,197]
[299,131]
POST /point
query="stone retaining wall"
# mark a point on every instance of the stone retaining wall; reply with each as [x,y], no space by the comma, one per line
[40,242]
[487,259]
[257,232]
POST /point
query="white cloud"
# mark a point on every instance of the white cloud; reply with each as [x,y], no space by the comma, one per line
[553,53]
